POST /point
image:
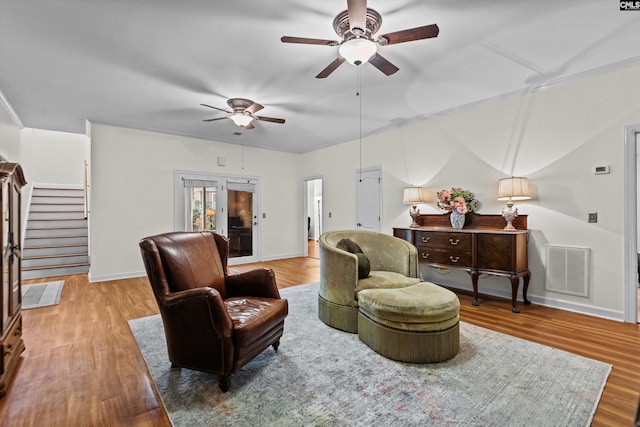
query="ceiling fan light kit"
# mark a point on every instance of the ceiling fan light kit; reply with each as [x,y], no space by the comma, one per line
[241,119]
[357,51]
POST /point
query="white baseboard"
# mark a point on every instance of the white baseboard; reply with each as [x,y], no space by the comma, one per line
[107,277]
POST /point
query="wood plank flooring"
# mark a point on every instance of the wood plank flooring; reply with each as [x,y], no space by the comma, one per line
[82,366]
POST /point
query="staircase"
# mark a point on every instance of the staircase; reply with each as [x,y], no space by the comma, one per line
[56,240]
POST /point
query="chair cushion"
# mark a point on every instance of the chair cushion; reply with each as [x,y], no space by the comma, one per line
[385,280]
[253,317]
[422,303]
[364,266]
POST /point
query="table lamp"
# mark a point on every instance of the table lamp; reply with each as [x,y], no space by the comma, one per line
[413,196]
[510,189]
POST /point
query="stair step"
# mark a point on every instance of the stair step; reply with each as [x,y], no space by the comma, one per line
[52,250]
[28,258]
[66,270]
[81,239]
[54,261]
[44,224]
[55,231]
[69,245]
[47,267]
[60,207]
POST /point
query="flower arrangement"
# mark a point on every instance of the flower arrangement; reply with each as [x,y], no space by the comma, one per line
[462,201]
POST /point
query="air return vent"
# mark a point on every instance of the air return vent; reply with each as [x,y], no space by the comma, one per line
[567,270]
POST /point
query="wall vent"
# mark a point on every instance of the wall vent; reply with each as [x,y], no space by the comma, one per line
[567,270]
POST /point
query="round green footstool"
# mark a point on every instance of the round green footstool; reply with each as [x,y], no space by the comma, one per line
[416,324]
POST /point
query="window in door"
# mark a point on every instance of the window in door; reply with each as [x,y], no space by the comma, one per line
[201,204]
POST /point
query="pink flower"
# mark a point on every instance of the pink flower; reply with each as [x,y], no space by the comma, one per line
[444,195]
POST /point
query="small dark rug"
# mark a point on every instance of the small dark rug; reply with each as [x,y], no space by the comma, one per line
[41,294]
[324,377]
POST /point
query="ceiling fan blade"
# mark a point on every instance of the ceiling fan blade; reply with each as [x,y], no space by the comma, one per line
[330,68]
[357,10]
[304,40]
[216,108]
[418,33]
[253,108]
[213,120]
[249,126]
[269,119]
[383,64]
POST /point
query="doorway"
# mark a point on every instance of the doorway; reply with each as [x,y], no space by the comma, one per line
[312,216]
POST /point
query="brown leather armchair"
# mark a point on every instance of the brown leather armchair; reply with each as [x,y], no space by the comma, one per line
[213,321]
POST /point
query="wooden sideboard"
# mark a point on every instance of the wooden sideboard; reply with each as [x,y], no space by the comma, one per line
[481,247]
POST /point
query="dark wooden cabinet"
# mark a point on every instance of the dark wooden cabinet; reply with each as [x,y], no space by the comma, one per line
[11,344]
[479,248]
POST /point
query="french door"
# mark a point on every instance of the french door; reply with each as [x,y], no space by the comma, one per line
[222,204]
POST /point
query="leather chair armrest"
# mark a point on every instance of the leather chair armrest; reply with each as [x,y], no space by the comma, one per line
[199,305]
[260,282]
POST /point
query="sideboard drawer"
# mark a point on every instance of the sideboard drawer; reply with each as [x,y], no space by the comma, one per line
[442,240]
[458,259]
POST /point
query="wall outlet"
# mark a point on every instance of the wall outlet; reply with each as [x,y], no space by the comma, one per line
[593,217]
[599,170]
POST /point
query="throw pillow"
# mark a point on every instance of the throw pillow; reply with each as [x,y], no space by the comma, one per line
[364,266]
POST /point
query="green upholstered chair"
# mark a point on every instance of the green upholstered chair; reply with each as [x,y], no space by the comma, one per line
[393,264]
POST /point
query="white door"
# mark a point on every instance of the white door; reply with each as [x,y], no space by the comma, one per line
[368,199]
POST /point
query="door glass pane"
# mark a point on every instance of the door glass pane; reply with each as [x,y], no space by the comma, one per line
[202,208]
[240,223]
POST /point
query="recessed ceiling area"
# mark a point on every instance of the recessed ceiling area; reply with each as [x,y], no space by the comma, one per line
[150,65]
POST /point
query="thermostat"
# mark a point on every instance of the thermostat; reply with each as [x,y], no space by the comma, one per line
[599,170]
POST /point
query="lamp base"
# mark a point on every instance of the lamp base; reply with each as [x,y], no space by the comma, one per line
[509,215]
[414,213]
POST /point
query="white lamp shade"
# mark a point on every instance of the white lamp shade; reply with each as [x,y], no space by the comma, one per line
[513,188]
[357,51]
[241,119]
[414,195]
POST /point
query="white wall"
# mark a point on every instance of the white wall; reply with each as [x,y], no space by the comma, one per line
[9,134]
[560,134]
[55,157]
[132,193]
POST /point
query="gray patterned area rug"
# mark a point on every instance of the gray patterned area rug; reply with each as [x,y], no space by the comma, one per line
[41,294]
[324,377]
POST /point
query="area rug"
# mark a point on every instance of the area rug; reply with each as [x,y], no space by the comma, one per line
[321,376]
[41,294]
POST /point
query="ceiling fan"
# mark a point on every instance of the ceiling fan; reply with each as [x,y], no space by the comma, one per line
[358,27]
[243,113]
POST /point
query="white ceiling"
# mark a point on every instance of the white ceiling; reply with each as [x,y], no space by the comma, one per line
[149,64]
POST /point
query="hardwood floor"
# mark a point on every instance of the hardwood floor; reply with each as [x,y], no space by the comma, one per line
[82,366]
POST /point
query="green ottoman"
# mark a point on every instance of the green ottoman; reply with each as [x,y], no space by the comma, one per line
[416,324]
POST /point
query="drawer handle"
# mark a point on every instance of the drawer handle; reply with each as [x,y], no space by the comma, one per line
[425,256]
[454,258]
[454,242]
[426,239]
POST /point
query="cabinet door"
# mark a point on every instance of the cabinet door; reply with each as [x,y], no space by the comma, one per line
[6,256]
[15,297]
[502,252]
